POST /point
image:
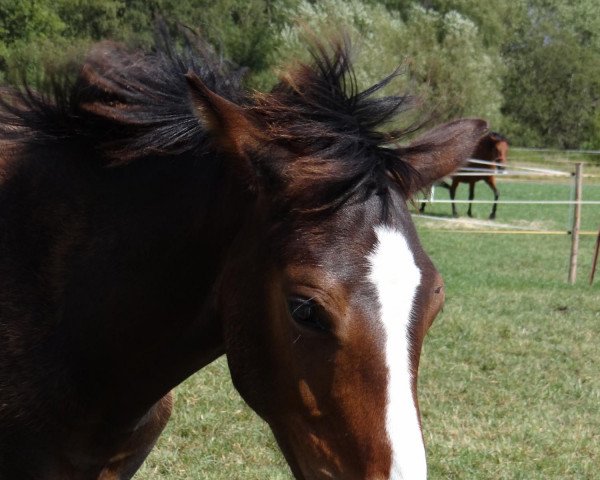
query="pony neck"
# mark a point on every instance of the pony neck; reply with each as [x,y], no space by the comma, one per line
[133,272]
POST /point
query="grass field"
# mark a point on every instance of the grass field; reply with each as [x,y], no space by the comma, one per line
[510,374]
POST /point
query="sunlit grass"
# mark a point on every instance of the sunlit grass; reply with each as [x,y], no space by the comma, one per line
[509,382]
[540,217]
[510,372]
[214,435]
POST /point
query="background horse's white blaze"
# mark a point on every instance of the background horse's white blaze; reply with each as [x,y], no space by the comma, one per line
[397,277]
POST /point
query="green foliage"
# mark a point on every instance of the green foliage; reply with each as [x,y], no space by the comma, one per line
[494,19]
[90,18]
[40,35]
[23,25]
[531,67]
[552,84]
[26,20]
[240,29]
[442,54]
[461,74]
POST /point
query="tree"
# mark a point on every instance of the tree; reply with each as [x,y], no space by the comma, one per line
[23,25]
[552,83]
[528,66]
[442,55]
[43,35]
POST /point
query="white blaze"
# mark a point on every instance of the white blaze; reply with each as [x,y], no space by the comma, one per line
[397,277]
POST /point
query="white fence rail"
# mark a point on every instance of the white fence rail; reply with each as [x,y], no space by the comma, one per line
[517,170]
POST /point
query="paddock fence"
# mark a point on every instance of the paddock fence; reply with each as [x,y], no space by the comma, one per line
[516,170]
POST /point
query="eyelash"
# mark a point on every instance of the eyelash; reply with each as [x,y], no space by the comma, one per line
[306,312]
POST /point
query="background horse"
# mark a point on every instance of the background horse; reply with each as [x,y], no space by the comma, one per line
[152,220]
[493,147]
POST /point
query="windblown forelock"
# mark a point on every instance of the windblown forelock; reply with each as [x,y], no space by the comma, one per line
[334,130]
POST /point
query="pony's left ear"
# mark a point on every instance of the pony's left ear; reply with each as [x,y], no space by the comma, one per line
[229,126]
[442,150]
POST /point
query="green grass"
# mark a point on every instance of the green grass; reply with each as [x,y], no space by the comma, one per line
[509,380]
[214,435]
[552,157]
[540,217]
[510,373]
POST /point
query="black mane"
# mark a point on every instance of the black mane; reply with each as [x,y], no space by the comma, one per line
[318,111]
[125,104]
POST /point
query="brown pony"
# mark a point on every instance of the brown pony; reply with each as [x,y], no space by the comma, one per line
[493,147]
[154,216]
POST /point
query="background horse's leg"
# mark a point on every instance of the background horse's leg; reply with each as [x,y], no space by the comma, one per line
[471,196]
[491,181]
[134,451]
[453,187]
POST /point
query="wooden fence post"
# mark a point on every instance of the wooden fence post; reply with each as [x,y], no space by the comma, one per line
[595,259]
[576,223]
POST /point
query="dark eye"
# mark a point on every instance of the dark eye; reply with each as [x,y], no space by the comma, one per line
[306,312]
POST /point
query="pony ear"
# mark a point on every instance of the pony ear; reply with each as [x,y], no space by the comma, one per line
[231,129]
[442,150]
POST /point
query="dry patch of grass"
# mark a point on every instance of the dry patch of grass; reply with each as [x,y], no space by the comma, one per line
[466,223]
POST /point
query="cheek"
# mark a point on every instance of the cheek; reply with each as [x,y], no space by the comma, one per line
[360,387]
[255,345]
[279,369]
[343,407]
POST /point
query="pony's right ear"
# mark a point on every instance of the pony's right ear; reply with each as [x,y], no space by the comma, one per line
[442,150]
[229,126]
